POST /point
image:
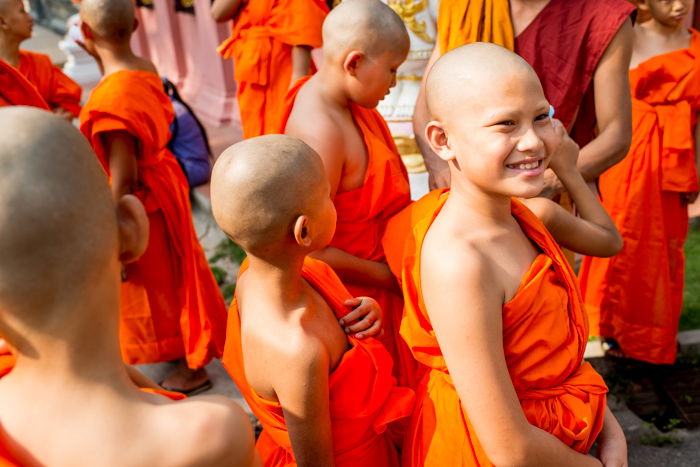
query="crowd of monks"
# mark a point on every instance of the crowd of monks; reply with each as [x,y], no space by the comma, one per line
[367,329]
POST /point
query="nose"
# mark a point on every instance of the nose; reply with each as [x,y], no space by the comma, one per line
[530,141]
[678,7]
[393,81]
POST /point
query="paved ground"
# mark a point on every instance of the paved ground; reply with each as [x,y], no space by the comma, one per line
[685,454]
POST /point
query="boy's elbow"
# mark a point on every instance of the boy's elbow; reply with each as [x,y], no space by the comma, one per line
[623,141]
[616,244]
[516,454]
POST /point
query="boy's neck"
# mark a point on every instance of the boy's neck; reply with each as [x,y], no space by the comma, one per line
[482,208]
[281,276]
[117,58]
[9,50]
[663,30]
[329,89]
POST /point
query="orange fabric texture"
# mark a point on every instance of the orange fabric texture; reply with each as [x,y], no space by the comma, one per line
[637,295]
[260,44]
[364,397]
[465,21]
[171,306]
[364,212]
[57,89]
[544,337]
[16,90]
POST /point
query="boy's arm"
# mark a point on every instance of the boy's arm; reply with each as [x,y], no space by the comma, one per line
[121,151]
[438,170]
[301,62]
[468,325]
[301,385]
[612,445]
[593,233]
[613,109]
[355,270]
[224,10]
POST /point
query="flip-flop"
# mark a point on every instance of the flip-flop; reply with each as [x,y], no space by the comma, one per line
[205,386]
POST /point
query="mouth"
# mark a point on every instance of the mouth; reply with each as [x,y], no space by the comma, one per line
[527,166]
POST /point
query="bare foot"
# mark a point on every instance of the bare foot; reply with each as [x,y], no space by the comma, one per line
[186,380]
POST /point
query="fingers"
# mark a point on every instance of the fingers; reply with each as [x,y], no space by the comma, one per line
[366,318]
[374,331]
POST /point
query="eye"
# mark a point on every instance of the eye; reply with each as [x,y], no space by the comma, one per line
[506,123]
[541,117]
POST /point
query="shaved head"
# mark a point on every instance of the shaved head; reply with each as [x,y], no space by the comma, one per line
[261,185]
[112,20]
[57,220]
[473,71]
[368,26]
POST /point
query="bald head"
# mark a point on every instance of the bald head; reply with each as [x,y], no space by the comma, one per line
[368,26]
[110,20]
[474,71]
[57,220]
[261,185]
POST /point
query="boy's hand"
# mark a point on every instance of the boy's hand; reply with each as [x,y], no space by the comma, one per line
[365,319]
[565,155]
[612,445]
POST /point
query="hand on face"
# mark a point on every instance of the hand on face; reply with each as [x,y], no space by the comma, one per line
[565,155]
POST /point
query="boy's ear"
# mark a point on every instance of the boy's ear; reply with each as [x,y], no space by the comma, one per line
[642,5]
[86,31]
[302,235]
[136,24]
[132,222]
[438,140]
[352,62]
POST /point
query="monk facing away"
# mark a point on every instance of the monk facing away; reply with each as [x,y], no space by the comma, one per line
[637,296]
[580,49]
[171,305]
[63,242]
[333,111]
[493,308]
[270,43]
[61,93]
[322,397]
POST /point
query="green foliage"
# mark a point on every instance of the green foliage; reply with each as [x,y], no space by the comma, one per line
[229,254]
[690,318]
[652,437]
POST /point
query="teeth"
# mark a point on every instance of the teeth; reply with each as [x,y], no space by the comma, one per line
[528,166]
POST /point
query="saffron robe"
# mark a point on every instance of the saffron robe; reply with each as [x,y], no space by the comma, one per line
[637,295]
[57,89]
[261,41]
[171,305]
[544,338]
[362,216]
[16,90]
[363,396]
[463,22]
[7,458]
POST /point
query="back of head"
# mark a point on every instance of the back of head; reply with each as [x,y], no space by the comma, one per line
[261,185]
[110,20]
[57,220]
[368,26]
[475,72]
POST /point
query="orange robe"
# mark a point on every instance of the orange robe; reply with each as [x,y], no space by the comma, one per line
[364,398]
[261,42]
[465,21]
[57,89]
[637,295]
[362,216]
[171,305]
[16,90]
[544,337]
[7,458]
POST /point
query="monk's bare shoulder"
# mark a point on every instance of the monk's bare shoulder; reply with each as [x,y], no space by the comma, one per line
[206,431]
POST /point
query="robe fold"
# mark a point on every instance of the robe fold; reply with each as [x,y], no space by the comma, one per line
[57,89]
[171,306]
[544,338]
[465,21]
[637,295]
[564,44]
[261,42]
[363,396]
[16,90]
[362,216]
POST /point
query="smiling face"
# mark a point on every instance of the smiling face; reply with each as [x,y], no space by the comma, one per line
[669,13]
[15,20]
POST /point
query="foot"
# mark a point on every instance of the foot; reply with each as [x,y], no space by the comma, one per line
[613,349]
[186,380]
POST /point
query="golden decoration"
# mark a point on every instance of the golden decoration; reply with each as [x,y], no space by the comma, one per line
[187,3]
[407,10]
[410,154]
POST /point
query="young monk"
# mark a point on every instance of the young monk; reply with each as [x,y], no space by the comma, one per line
[492,306]
[333,111]
[16,90]
[323,398]
[171,305]
[59,307]
[637,295]
[580,50]
[60,92]
[270,43]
